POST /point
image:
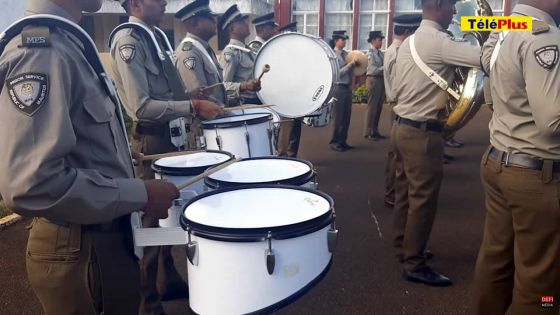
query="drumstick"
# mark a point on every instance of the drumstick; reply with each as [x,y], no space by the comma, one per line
[213,86]
[228,109]
[206,174]
[265,69]
[164,155]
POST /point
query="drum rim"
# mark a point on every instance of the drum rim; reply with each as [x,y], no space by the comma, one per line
[189,171]
[208,125]
[294,181]
[246,235]
[334,65]
[292,298]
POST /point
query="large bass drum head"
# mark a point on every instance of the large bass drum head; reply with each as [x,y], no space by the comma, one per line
[301,77]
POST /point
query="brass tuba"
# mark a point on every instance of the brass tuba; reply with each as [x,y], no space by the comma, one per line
[468,82]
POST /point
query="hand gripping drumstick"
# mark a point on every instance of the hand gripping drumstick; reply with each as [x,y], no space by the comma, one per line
[265,69]
[206,174]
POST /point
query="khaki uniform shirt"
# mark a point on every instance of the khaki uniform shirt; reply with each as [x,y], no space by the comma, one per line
[389,69]
[64,154]
[345,74]
[418,97]
[526,89]
[196,70]
[238,67]
[141,82]
[375,63]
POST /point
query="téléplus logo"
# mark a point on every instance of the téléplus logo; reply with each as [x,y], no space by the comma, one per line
[496,23]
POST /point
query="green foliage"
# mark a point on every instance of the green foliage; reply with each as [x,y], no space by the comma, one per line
[360,95]
[3,210]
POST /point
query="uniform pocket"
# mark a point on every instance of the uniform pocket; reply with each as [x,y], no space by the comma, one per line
[101,127]
[55,243]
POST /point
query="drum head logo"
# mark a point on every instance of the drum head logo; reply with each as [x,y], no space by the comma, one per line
[28,91]
[547,57]
[318,93]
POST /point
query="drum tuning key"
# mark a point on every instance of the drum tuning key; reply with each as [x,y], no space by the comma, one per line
[192,249]
[332,234]
[269,255]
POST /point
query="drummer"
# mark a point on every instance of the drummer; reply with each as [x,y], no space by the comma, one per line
[290,129]
[237,59]
[343,93]
[266,27]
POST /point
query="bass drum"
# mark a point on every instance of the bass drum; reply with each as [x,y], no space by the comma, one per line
[303,71]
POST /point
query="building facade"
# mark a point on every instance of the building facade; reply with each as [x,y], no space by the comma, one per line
[357,17]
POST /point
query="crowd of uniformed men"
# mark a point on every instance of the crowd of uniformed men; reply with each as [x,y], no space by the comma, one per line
[66,161]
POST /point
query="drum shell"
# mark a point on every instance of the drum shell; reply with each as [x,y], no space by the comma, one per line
[233,138]
[244,285]
[319,118]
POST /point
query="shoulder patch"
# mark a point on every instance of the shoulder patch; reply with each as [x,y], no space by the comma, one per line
[540,27]
[547,57]
[28,91]
[187,46]
[38,36]
[127,52]
[190,63]
[228,56]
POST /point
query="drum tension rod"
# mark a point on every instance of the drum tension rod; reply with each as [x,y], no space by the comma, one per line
[269,255]
[332,234]
[192,248]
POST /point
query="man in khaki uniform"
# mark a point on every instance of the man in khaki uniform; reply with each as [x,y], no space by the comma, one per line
[153,95]
[404,26]
[196,61]
[266,27]
[375,86]
[518,266]
[237,59]
[417,138]
[343,93]
[65,160]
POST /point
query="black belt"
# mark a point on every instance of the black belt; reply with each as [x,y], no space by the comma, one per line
[147,129]
[430,125]
[118,225]
[521,160]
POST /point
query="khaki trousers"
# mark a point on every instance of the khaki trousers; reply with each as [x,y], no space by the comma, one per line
[390,166]
[519,259]
[158,272]
[419,171]
[342,114]
[289,137]
[74,271]
[376,97]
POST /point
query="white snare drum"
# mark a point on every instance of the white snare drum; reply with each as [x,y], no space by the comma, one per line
[265,170]
[256,249]
[303,71]
[321,117]
[245,136]
[179,169]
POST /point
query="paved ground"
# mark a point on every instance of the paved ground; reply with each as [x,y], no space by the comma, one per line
[365,277]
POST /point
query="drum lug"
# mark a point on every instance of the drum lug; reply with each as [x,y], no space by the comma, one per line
[248,140]
[219,142]
[270,141]
[269,255]
[192,249]
[332,235]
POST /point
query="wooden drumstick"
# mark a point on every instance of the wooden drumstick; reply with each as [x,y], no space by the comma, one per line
[164,155]
[206,174]
[229,109]
[265,69]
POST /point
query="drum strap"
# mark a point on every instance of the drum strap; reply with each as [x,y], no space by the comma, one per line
[201,48]
[498,47]
[436,78]
[239,48]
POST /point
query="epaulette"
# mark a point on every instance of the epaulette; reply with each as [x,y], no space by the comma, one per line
[187,46]
[540,27]
[36,36]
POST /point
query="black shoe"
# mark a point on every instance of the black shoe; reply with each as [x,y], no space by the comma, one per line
[428,277]
[174,294]
[337,147]
[452,143]
[379,136]
[447,158]
[427,255]
[347,146]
